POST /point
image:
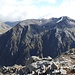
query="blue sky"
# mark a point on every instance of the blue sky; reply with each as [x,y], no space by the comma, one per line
[13,10]
[52,4]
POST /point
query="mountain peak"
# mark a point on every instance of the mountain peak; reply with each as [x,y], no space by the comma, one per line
[63,18]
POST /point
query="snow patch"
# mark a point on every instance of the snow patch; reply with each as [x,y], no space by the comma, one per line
[60,20]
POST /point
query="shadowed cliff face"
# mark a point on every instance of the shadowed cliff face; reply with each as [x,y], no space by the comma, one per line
[39,37]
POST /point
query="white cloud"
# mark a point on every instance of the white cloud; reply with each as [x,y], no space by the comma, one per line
[65,9]
[49,1]
[11,10]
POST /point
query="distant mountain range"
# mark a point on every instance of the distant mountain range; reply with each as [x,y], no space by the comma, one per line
[39,37]
[12,24]
[4,27]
